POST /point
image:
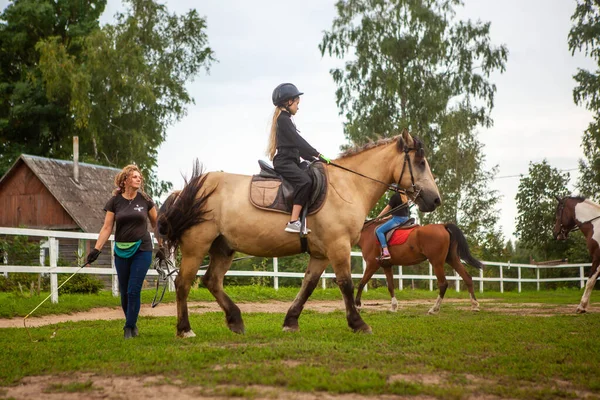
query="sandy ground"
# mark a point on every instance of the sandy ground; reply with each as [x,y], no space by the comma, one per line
[169,310]
[157,387]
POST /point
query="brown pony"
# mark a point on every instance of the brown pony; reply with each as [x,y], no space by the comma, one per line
[438,243]
[213,215]
[574,213]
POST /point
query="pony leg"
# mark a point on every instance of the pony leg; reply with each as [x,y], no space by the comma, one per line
[442,286]
[389,278]
[309,283]
[372,266]
[220,262]
[589,286]
[341,267]
[183,283]
[462,271]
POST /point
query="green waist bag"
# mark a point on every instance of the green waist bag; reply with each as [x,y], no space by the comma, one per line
[127,249]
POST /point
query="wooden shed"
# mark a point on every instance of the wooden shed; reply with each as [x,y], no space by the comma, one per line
[45,193]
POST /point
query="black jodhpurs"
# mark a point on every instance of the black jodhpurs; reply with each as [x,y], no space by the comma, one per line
[288,167]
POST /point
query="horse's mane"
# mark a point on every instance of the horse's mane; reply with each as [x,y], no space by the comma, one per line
[379,142]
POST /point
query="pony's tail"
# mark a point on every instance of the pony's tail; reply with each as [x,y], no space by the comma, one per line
[456,235]
[184,210]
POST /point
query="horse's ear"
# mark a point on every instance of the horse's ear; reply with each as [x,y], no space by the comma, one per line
[407,138]
[400,144]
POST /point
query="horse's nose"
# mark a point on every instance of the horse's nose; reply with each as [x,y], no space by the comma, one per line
[437,201]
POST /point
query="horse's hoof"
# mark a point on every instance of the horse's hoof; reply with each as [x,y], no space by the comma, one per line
[291,328]
[580,310]
[433,312]
[475,309]
[364,329]
[239,329]
[185,335]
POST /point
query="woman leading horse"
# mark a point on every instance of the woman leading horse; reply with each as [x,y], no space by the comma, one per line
[213,215]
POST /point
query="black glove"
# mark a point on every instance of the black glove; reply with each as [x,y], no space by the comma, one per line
[93,256]
[161,254]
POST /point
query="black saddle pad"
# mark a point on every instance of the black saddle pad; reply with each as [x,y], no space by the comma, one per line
[268,191]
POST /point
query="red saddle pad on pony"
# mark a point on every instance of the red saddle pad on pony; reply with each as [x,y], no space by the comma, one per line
[399,236]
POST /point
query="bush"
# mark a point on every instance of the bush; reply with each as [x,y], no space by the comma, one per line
[83,284]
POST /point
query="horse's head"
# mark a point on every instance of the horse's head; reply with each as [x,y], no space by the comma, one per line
[565,220]
[412,173]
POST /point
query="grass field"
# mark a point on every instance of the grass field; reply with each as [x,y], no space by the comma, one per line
[456,354]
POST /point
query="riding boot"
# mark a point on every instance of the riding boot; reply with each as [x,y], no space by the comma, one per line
[135,332]
[127,333]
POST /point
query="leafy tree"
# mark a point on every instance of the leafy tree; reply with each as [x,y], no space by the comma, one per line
[121,86]
[29,121]
[585,36]
[536,207]
[412,64]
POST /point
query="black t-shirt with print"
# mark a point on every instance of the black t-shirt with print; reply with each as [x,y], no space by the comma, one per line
[131,218]
[396,201]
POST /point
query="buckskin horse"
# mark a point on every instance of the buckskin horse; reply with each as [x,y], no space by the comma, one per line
[213,214]
[573,213]
[438,243]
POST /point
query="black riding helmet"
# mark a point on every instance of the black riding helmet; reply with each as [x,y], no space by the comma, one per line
[285,92]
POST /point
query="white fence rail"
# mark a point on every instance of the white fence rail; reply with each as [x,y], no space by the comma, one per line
[50,240]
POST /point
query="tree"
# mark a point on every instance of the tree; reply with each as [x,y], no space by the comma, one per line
[29,121]
[585,36]
[124,86]
[536,206]
[411,64]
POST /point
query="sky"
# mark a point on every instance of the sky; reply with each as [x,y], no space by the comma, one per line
[261,43]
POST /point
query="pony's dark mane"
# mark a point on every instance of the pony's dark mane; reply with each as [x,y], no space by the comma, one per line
[380,142]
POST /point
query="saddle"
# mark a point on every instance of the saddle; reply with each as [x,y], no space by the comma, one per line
[409,224]
[269,191]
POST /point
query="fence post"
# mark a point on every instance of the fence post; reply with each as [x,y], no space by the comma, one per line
[501,280]
[456,282]
[275,271]
[400,273]
[537,278]
[53,263]
[115,278]
[364,265]
[519,275]
[481,280]
[582,278]
[430,278]
[171,279]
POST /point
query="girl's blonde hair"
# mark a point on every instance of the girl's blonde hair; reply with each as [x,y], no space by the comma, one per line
[122,176]
[272,147]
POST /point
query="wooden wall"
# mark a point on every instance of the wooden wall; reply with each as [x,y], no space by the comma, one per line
[25,202]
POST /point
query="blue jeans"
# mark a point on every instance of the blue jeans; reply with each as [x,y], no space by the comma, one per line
[381,230]
[131,272]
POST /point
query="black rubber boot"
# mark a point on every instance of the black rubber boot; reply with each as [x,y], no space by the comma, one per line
[127,333]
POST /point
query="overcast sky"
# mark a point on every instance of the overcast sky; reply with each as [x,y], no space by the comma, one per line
[262,43]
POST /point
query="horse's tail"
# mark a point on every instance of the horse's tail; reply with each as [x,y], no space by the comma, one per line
[183,210]
[456,235]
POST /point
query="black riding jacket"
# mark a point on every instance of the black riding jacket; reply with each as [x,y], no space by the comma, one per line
[289,140]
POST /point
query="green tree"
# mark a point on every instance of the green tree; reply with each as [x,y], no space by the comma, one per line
[585,37]
[536,207]
[413,64]
[29,121]
[123,87]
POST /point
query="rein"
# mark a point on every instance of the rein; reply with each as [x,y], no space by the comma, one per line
[374,220]
[575,228]
[389,186]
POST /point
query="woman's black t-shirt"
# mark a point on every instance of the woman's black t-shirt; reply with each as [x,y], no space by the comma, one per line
[131,218]
[396,201]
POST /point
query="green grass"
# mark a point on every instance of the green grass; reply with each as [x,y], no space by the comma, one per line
[472,354]
[14,305]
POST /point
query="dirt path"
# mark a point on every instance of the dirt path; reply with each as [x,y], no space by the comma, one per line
[169,309]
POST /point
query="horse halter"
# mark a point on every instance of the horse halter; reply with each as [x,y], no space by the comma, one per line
[564,231]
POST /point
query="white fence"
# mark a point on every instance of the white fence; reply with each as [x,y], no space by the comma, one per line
[51,239]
